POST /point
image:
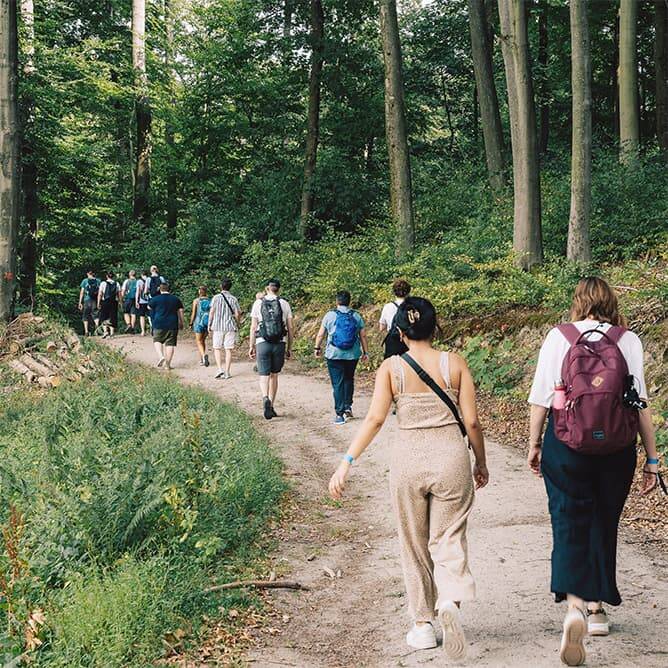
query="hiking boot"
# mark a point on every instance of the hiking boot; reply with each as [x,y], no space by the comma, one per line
[268,409]
[597,622]
[572,651]
[422,637]
[206,360]
[340,419]
[454,640]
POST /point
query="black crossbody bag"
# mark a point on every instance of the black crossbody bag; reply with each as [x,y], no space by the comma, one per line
[436,389]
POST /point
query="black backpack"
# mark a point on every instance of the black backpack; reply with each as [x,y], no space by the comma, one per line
[272,328]
[110,291]
[92,288]
[154,286]
[392,342]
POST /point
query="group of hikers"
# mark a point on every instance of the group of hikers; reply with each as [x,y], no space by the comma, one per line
[589,386]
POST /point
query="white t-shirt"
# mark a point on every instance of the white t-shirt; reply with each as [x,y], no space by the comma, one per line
[389,312]
[555,347]
[256,312]
[103,288]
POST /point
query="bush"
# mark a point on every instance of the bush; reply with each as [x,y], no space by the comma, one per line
[129,464]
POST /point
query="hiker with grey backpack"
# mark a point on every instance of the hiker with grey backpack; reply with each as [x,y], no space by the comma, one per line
[346,345]
[590,385]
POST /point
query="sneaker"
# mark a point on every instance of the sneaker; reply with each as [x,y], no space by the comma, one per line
[597,622]
[161,361]
[201,362]
[273,412]
[422,637]
[220,374]
[348,413]
[206,360]
[128,329]
[454,640]
[105,335]
[340,419]
[572,651]
[268,409]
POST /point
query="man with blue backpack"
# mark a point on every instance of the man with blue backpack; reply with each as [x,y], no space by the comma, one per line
[346,344]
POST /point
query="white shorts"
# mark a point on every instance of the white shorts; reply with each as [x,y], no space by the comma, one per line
[227,340]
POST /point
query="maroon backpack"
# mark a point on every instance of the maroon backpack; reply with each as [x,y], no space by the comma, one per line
[595,420]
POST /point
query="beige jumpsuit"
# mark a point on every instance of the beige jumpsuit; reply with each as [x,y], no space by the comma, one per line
[431,485]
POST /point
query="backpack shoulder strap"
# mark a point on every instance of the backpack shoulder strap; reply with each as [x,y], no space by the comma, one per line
[570,332]
[615,333]
[437,389]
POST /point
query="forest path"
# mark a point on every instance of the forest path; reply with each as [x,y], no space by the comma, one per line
[360,619]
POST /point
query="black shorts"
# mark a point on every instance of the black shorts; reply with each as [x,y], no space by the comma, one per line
[109,313]
[142,310]
[129,307]
[167,337]
[270,358]
[89,310]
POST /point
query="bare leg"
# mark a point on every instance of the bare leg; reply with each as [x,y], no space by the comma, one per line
[85,326]
[228,360]
[199,338]
[273,386]
[160,349]
[133,321]
[264,386]
[142,324]
[218,354]
[575,602]
[169,354]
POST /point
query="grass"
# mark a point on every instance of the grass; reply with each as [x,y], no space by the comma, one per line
[130,493]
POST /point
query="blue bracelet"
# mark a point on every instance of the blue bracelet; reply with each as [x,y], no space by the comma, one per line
[348,458]
[652,461]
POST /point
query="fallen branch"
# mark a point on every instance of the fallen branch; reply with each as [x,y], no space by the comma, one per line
[258,584]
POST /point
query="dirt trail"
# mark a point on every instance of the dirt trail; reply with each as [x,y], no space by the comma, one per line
[360,619]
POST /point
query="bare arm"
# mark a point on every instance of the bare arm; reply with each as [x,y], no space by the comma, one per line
[536,422]
[251,339]
[194,311]
[469,410]
[318,340]
[180,314]
[382,327]
[380,405]
[291,336]
[81,296]
[648,437]
[364,341]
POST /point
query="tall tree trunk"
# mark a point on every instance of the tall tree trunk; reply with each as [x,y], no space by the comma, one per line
[313,130]
[28,273]
[9,155]
[488,101]
[614,80]
[401,196]
[578,247]
[142,114]
[543,60]
[171,179]
[527,233]
[661,60]
[629,122]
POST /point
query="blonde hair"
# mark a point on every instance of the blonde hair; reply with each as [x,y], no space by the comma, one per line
[202,291]
[596,299]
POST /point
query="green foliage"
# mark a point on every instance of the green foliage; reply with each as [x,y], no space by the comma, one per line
[130,463]
[493,364]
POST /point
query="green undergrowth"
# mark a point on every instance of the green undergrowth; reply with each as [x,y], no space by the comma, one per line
[124,495]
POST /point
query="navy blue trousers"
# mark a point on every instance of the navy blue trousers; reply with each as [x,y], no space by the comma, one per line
[342,375]
[586,496]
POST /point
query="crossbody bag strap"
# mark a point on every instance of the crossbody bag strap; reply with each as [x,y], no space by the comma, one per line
[222,294]
[437,389]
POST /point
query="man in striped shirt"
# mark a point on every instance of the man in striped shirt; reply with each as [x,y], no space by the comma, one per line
[224,318]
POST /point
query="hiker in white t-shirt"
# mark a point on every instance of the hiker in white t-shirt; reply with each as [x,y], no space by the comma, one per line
[392,343]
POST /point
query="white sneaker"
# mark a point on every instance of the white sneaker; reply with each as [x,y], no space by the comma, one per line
[220,374]
[598,623]
[454,640]
[422,637]
[161,361]
[572,651]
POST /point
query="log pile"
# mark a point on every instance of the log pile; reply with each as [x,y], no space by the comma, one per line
[41,354]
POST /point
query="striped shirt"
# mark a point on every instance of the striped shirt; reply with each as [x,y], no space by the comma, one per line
[221,316]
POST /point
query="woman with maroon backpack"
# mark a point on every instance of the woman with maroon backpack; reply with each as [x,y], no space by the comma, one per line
[590,380]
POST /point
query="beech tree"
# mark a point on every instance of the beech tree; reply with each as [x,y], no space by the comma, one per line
[142,175]
[578,247]
[527,233]
[313,123]
[9,155]
[401,196]
[488,102]
[661,63]
[171,178]
[629,121]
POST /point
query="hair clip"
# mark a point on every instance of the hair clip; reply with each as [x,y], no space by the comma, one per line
[413,316]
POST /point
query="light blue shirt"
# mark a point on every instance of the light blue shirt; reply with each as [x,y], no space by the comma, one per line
[331,351]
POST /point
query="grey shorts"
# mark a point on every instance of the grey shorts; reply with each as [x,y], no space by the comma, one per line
[167,337]
[89,310]
[270,358]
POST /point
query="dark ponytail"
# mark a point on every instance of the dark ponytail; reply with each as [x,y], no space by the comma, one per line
[416,318]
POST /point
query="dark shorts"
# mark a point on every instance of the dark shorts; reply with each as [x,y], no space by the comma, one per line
[270,358]
[89,310]
[109,313]
[167,337]
[129,307]
[142,310]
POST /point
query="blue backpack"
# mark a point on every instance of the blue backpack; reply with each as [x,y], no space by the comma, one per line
[345,330]
[204,308]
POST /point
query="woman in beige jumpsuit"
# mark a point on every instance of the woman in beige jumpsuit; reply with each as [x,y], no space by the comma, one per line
[431,481]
